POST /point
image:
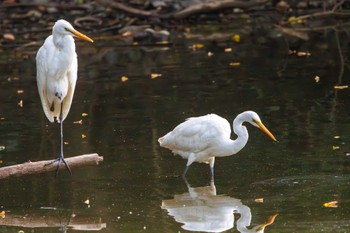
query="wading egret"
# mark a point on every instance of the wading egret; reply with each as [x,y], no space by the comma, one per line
[57,67]
[201,139]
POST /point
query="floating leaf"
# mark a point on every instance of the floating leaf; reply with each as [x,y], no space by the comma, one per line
[228,50]
[2,214]
[336,137]
[84,114]
[335,147]
[197,46]
[331,204]
[303,54]
[317,78]
[66,143]
[124,79]
[2,148]
[87,201]
[83,135]
[9,37]
[153,76]
[20,91]
[236,38]
[80,122]
[235,63]
[20,103]
[341,87]
[259,200]
[135,43]
[210,54]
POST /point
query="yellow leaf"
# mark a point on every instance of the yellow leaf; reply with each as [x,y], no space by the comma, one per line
[197,46]
[20,91]
[235,63]
[153,76]
[341,87]
[83,136]
[210,54]
[20,103]
[331,204]
[135,43]
[84,114]
[124,79]
[259,200]
[163,42]
[236,38]
[336,137]
[335,147]
[78,122]
[303,54]
[227,50]
[317,78]
[2,214]
[66,143]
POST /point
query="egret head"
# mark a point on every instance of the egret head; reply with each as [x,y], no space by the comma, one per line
[254,119]
[62,27]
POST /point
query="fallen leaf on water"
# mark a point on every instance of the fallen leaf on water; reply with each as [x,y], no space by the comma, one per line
[66,143]
[2,148]
[317,78]
[2,214]
[259,200]
[331,204]
[9,37]
[135,43]
[87,201]
[124,79]
[227,50]
[196,46]
[163,42]
[235,64]
[153,76]
[20,103]
[341,86]
[210,54]
[236,38]
[78,122]
[336,137]
[303,54]
[20,91]
[1,161]
[335,147]
[84,114]
[83,136]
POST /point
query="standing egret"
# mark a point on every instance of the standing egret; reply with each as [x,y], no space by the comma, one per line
[201,139]
[57,67]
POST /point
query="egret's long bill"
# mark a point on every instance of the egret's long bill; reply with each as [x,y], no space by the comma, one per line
[80,35]
[265,130]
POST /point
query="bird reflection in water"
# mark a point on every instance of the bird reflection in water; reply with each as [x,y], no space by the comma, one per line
[202,210]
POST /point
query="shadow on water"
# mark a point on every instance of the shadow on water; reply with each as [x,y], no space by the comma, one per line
[122,121]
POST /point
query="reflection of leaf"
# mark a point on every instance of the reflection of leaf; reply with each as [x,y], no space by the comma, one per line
[331,204]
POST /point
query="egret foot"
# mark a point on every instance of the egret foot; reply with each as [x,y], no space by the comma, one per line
[60,160]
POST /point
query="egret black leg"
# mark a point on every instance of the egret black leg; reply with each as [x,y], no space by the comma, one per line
[61,157]
[185,171]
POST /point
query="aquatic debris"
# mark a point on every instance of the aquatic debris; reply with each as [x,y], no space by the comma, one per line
[124,79]
[339,87]
[331,204]
[259,200]
[153,76]
[317,78]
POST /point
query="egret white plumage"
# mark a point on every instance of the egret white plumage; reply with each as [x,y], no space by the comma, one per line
[201,139]
[57,67]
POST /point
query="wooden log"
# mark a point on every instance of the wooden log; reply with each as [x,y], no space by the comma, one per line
[30,168]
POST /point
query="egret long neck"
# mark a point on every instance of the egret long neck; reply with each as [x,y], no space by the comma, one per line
[242,135]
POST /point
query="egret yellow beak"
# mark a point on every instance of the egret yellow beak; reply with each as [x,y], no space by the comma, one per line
[80,35]
[265,130]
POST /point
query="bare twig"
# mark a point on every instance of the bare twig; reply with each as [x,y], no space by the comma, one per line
[30,168]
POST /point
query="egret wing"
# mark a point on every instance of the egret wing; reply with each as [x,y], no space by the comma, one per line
[42,60]
[72,80]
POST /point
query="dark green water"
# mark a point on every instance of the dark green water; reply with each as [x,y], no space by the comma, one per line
[133,188]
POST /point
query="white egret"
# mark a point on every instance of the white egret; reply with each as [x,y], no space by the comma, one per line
[57,67]
[201,139]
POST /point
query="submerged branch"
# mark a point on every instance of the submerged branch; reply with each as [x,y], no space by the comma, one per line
[30,168]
